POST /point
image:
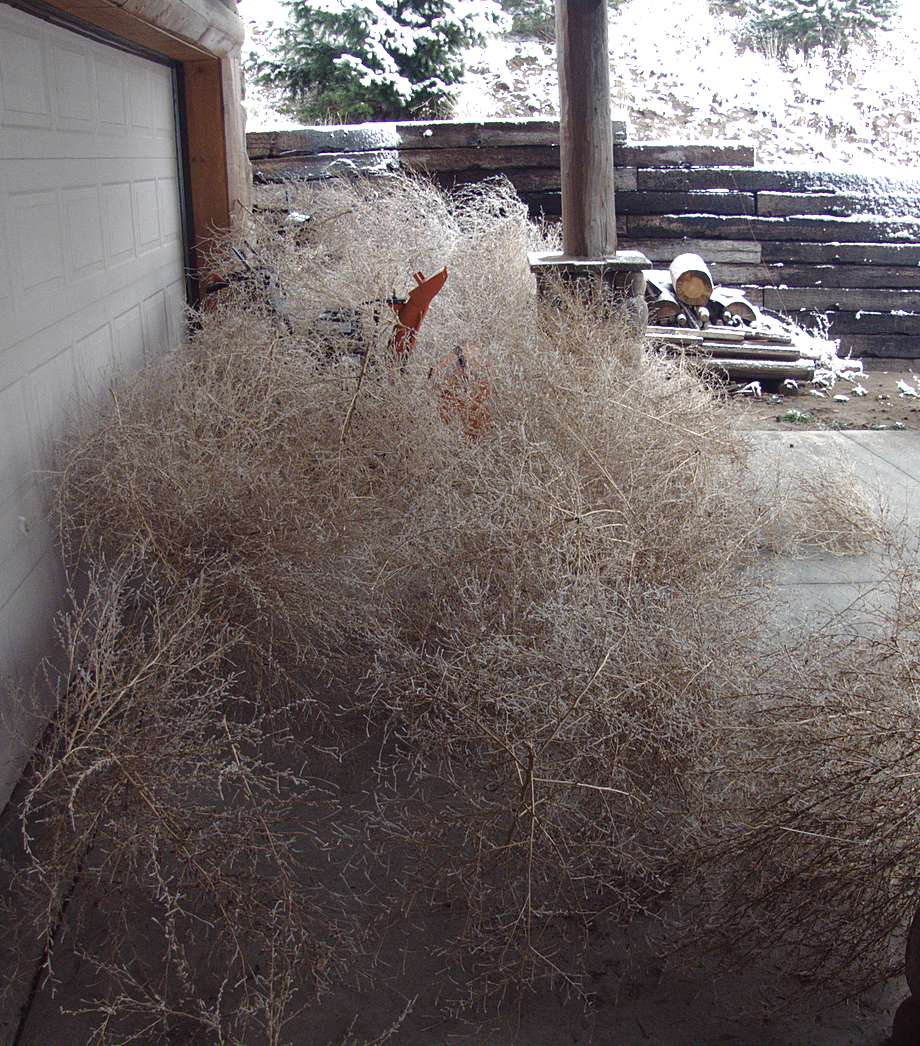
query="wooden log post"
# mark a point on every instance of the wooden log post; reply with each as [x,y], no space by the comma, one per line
[585,129]
[587,172]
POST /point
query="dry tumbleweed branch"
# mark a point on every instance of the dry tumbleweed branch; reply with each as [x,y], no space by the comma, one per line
[555,626]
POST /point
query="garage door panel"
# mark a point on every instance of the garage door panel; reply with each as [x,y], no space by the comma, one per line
[81,207]
[24,534]
[112,107]
[169,211]
[177,309]
[59,85]
[75,89]
[50,397]
[94,355]
[163,100]
[37,242]
[117,224]
[39,314]
[28,633]
[128,332]
[140,101]
[147,216]
[25,544]
[23,73]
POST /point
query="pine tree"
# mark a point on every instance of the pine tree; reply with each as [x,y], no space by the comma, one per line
[355,60]
[808,24]
[532,18]
[536,19]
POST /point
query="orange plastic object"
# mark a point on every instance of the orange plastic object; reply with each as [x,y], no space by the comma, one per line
[463,391]
[410,313]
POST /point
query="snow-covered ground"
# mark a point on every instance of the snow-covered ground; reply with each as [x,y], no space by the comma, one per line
[676,74]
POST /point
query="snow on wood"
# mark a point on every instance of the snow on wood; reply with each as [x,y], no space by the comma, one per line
[725,334]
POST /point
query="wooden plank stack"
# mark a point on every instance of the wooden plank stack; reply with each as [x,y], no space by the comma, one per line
[798,242]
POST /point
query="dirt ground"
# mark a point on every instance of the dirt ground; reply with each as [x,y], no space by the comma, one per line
[884,403]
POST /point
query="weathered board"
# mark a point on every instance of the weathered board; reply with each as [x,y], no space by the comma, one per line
[843,276]
[529,181]
[884,346]
[684,154]
[822,299]
[810,230]
[435,134]
[685,202]
[662,251]
[494,158]
[750,351]
[325,165]
[332,139]
[887,205]
[753,179]
[451,134]
[898,254]
[846,322]
[737,369]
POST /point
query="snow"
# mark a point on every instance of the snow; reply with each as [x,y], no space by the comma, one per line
[829,365]
[856,111]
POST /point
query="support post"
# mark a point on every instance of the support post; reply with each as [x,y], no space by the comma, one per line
[585,129]
[589,225]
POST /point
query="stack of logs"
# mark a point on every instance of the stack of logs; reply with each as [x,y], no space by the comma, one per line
[718,328]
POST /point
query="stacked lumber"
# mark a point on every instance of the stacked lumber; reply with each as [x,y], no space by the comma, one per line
[453,153]
[717,328]
[526,151]
[832,244]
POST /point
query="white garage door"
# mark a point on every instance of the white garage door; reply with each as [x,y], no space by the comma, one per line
[91,274]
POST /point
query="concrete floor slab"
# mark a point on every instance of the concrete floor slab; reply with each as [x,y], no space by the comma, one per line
[883,469]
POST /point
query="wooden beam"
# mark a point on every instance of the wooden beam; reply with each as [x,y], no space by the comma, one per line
[207,159]
[735,252]
[846,276]
[585,135]
[713,202]
[180,30]
[236,159]
[797,230]
[879,323]
[886,347]
[846,253]
[791,204]
[685,154]
[821,299]
[493,158]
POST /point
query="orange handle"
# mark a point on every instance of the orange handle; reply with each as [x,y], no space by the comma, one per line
[409,314]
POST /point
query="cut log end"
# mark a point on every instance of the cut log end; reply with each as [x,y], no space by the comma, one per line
[691,279]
